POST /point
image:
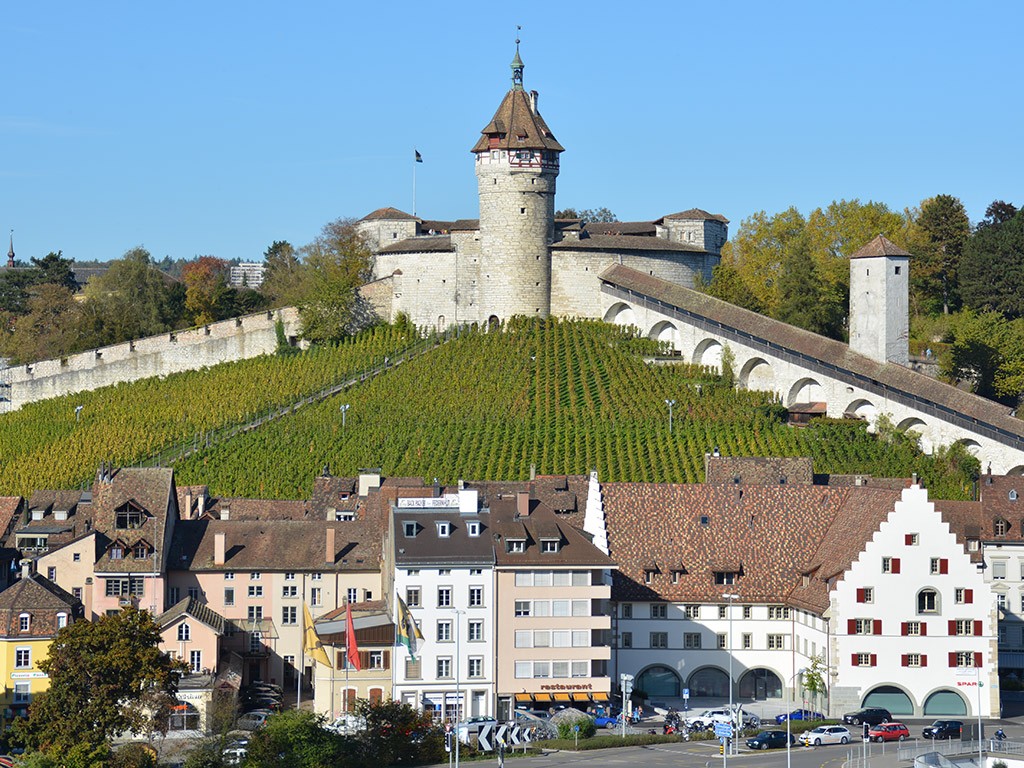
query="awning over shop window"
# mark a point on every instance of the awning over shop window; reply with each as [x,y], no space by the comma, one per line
[562,697]
[600,696]
[523,697]
[542,697]
[580,696]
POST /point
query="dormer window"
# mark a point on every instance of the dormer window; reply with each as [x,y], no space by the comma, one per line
[705,520]
[444,529]
[117,551]
[130,516]
[345,516]
[24,622]
[515,545]
[409,528]
[473,528]
[725,577]
[1001,527]
[973,545]
[37,514]
[141,550]
[550,545]
[60,514]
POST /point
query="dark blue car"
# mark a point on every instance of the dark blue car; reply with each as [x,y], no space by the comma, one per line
[799,714]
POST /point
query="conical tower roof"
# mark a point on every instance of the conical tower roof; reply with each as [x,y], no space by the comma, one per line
[880,246]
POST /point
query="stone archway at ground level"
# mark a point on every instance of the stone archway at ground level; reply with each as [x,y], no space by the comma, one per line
[760,683]
[659,680]
[945,702]
[709,681]
[890,697]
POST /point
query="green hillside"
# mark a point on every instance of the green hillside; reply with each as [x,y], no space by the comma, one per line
[562,397]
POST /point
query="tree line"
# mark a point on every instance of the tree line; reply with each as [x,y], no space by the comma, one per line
[44,315]
[966,281]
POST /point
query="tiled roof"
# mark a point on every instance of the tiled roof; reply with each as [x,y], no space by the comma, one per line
[575,548]
[427,547]
[769,532]
[388,214]
[640,228]
[624,243]
[465,225]
[153,490]
[199,611]
[257,509]
[421,244]
[755,328]
[758,470]
[9,506]
[54,500]
[337,493]
[41,598]
[517,126]
[695,214]
[880,246]
[440,227]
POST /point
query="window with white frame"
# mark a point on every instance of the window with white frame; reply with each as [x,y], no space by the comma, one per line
[229,595]
[22,658]
[865,659]
[184,631]
[776,642]
[692,611]
[255,576]
[316,596]
[524,669]
[289,590]
[914,660]
[747,611]
[964,658]
[523,608]
[255,613]
[778,612]
[195,661]
[444,631]
[721,640]
[289,615]
[255,590]
[289,576]
[352,595]
[444,597]
[747,640]
[22,693]
[721,611]
[24,622]
[444,667]
[659,610]
[62,620]
[473,528]
[1001,601]
[998,569]
[376,659]
[549,546]
[581,668]
[476,667]
[444,529]
[316,577]
[229,575]
[475,633]
[476,597]
[863,627]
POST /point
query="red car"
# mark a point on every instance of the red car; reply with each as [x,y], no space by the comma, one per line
[889,732]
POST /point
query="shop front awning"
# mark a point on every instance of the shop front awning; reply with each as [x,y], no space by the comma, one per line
[562,697]
[580,696]
[523,697]
[599,696]
[542,698]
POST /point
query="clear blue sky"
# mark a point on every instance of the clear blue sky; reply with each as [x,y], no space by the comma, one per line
[217,127]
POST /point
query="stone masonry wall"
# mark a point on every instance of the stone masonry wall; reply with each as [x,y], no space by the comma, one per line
[229,340]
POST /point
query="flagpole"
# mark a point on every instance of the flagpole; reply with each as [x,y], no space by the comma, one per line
[414,181]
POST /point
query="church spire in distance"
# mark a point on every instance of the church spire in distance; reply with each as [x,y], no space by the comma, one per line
[517,66]
[10,252]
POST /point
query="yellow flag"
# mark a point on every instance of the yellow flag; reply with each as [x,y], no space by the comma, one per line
[311,644]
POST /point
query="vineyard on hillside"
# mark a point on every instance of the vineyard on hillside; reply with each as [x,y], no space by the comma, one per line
[45,445]
[557,396]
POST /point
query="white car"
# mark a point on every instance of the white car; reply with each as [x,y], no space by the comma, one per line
[708,718]
[826,734]
[347,725]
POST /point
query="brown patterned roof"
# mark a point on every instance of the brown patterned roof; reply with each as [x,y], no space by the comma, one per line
[624,243]
[772,531]
[151,489]
[55,500]
[638,228]
[837,358]
[9,506]
[516,126]
[465,225]
[195,608]
[575,548]
[759,470]
[437,226]
[41,598]
[880,246]
[388,214]
[276,545]
[695,214]
[257,509]
[421,244]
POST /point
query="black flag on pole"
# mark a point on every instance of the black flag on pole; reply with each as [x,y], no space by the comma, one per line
[419,157]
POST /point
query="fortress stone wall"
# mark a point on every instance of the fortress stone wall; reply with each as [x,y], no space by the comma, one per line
[226,341]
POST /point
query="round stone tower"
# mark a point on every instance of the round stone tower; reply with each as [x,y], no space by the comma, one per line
[516,168]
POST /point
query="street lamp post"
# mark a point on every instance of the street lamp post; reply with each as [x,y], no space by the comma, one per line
[670,404]
[789,733]
[344,410]
[458,686]
[732,714]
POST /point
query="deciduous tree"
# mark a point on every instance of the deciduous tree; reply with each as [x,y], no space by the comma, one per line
[106,677]
[284,281]
[205,286]
[51,328]
[130,300]
[587,214]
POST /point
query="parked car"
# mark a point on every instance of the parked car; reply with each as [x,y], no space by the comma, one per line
[769,740]
[943,729]
[826,734]
[889,732]
[799,714]
[708,718]
[607,721]
[250,721]
[869,715]
[346,725]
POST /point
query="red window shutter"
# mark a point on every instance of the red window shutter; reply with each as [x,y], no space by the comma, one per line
[924,660]
[977,658]
[874,660]
[876,628]
[905,660]
[978,631]
[924,628]
[895,565]
[943,565]
[854,660]
[908,539]
[952,627]
[903,629]
[851,626]
[860,594]
[968,595]
[952,658]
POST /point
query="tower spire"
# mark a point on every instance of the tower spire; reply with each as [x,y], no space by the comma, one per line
[10,251]
[517,66]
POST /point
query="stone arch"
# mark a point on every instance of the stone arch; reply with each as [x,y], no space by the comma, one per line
[863,409]
[760,683]
[709,353]
[973,446]
[895,698]
[757,373]
[805,390]
[665,331]
[659,680]
[921,429]
[620,314]
[493,323]
[709,682]
[441,324]
[945,701]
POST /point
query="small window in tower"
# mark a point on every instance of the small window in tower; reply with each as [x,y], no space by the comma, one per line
[522,210]
[867,271]
[534,182]
[495,181]
[898,270]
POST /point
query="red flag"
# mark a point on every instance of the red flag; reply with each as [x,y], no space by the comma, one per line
[351,649]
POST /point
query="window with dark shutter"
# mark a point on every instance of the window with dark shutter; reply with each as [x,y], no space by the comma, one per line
[895,565]
[968,595]
[905,660]
[860,594]
[924,628]
[851,626]
[978,632]
[855,660]
[877,627]
[924,660]
[943,565]
[952,658]
[874,660]
[951,627]
[977,658]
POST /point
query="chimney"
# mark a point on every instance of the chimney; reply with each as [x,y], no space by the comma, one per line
[201,506]
[219,548]
[534,98]
[523,504]
[26,568]
[188,504]
[225,513]
[330,551]
[913,478]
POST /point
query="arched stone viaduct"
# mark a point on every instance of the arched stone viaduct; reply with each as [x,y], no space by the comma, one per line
[802,367]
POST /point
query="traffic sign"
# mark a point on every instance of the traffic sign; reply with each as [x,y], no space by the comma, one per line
[723,730]
[483,739]
[686,693]
[514,736]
